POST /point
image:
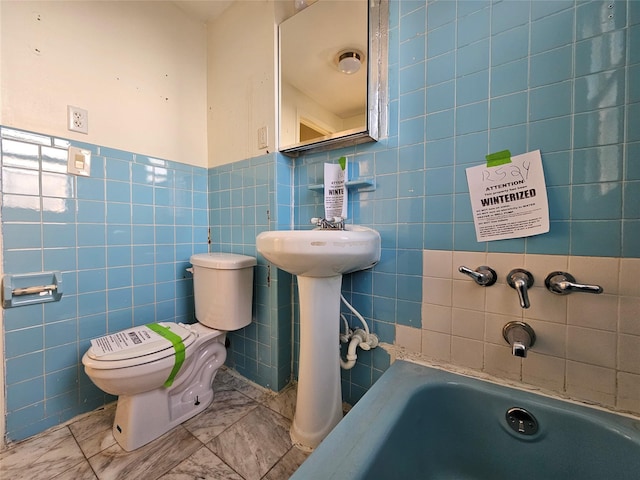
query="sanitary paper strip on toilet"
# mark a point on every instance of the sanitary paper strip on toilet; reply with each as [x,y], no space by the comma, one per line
[125,340]
[335,190]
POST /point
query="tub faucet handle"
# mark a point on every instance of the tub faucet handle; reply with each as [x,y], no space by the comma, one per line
[563,283]
[483,275]
[521,280]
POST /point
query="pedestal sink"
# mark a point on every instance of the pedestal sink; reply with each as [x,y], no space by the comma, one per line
[319,258]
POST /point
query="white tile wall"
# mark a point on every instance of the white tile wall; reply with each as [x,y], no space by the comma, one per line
[587,347]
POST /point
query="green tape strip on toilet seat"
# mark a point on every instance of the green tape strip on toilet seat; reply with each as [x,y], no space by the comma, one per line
[177,345]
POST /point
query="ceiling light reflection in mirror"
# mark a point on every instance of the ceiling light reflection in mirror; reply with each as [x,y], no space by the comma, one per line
[318,98]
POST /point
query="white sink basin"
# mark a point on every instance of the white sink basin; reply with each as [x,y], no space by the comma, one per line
[319,258]
[321,253]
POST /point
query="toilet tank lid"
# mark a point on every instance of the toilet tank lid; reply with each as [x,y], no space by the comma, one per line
[223,261]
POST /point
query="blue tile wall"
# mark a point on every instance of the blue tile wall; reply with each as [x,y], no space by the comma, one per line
[466,78]
[480,77]
[246,198]
[122,239]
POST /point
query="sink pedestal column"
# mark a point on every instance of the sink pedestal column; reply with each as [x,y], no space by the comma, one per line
[319,397]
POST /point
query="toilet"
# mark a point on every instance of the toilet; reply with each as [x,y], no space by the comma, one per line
[163,372]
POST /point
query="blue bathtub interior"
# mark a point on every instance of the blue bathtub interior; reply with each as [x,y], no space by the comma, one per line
[419,422]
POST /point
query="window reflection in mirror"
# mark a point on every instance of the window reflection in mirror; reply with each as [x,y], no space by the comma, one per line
[318,101]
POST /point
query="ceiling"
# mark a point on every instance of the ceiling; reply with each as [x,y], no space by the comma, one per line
[311,41]
[315,72]
[203,10]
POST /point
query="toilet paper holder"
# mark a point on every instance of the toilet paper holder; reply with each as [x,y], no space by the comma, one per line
[29,288]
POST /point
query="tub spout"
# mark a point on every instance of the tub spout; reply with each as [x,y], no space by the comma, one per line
[519,350]
[520,336]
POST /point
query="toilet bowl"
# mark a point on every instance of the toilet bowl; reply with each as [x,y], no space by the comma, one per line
[163,372]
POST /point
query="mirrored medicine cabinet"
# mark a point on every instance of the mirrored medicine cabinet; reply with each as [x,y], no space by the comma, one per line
[332,75]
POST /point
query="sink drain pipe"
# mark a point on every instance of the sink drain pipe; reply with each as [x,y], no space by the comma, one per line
[358,338]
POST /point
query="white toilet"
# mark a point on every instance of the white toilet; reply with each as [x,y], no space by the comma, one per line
[163,372]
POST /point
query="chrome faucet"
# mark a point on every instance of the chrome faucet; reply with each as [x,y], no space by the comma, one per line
[335,223]
[520,336]
[521,280]
[563,283]
[483,275]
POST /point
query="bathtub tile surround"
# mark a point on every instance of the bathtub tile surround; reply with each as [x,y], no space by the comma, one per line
[467,79]
[586,345]
[86,448]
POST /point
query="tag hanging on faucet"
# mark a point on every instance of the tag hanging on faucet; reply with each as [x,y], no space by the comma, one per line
[335,189]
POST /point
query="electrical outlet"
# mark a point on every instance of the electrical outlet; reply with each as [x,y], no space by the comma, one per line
[77,119]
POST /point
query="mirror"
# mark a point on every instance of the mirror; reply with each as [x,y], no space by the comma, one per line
[326,101]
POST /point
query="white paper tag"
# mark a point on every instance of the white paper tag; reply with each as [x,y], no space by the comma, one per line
[509,200]
[124,340]
[335,190]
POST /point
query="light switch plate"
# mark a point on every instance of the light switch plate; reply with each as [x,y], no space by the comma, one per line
[263,137]
[79,161]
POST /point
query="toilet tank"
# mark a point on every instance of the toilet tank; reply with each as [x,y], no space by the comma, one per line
[223,289]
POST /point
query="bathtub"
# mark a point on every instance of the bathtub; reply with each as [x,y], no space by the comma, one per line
[418,422]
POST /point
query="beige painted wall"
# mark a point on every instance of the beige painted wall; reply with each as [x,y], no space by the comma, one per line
[139,68]
[152,79]
[241,81]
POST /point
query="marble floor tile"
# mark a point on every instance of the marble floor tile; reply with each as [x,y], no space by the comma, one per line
[150,461]
[284,402]
[42,457]
[287,465]
[243,435]
[254,444]
[203,464]
[96,443]
[81,471]
[225,380]
[93,433]
[99,421]
[228,407]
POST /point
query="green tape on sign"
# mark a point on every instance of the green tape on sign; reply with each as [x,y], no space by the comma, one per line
[343,162]
[498,158]
[177,345]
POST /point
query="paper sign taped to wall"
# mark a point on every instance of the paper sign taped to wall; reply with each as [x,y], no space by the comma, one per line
[509,200]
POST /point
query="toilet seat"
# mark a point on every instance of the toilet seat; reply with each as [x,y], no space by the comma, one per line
[154,350]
